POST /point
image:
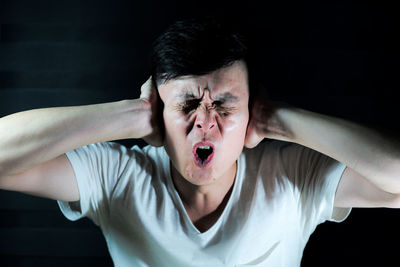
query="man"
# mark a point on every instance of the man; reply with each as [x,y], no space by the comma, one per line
[200,198]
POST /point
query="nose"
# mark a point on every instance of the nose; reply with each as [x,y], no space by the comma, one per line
[205,120]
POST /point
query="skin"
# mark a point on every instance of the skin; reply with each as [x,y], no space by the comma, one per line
[211,108]
[371,178]
[33,161]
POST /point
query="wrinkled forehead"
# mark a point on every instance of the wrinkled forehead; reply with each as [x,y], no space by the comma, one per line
[230,82]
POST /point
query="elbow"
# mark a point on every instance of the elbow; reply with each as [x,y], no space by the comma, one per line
[393,191]
[2,181]
[394,201]
[390,177]
[3,164]
[2,171]
[4,175]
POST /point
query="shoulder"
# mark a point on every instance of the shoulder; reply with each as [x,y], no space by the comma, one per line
[116,148]
[282,151]
[141,179]
[112,154]
[267,161]
[99,150]
[271,150]
[280,160]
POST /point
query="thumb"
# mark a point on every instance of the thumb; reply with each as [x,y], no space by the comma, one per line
[146,91]
[252,138]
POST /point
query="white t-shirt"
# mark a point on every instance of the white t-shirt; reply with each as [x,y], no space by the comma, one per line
[282,191]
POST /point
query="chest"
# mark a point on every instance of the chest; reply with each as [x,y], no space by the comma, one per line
[243,239]
[203,221]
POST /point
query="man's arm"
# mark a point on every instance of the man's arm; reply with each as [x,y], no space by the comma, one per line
[372,176]
[33,143]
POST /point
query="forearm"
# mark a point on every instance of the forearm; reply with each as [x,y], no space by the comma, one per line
[365,150]
[36,136]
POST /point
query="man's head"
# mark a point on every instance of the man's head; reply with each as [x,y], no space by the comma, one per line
[199,68]
[196,47]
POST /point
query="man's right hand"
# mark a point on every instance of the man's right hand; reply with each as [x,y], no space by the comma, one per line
[152,101]
[33,143]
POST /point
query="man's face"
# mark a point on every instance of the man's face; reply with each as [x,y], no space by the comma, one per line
[205,122]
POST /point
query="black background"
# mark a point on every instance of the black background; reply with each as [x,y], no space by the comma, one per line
[338,58]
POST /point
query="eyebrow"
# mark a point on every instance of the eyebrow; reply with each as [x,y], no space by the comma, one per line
[227,97]
[187,96]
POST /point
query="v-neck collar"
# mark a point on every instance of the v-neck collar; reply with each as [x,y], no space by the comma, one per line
[190,227]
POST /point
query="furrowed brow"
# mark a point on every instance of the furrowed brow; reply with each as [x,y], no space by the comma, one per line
[228,97]
[186,96]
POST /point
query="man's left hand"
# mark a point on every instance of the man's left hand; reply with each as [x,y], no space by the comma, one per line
[265,123]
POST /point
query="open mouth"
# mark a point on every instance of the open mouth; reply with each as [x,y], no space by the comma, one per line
[203,153]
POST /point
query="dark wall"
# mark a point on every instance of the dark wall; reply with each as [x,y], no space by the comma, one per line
[336,58]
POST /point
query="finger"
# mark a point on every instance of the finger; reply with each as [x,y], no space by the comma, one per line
[252,141]
[252,138]
[146,89]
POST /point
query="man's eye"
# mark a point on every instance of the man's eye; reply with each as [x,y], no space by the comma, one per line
[190,105]
[221,109]
[224,111]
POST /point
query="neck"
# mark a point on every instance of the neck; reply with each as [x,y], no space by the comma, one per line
[207,198]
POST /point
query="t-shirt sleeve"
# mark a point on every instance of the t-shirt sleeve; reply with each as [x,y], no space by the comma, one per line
[315,178]
[97,168]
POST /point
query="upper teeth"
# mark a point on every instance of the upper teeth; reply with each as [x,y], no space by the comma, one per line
[204,147]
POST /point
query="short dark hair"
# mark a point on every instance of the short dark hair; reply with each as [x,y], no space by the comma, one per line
[196,47]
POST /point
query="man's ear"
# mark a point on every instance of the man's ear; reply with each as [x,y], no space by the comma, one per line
[257,92]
